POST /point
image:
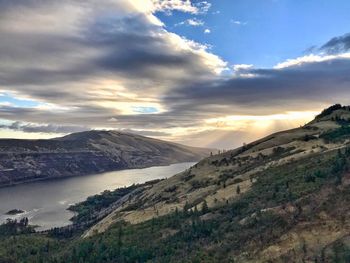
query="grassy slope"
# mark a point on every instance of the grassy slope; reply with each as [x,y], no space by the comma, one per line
[215,178]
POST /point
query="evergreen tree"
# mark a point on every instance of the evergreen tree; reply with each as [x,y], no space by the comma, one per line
[120,241]
[205,208]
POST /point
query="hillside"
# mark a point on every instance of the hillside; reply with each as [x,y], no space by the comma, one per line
[216,178]
[86,153]
[284,198]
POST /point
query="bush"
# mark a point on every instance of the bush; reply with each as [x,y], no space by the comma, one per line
[329,110]
[237,180]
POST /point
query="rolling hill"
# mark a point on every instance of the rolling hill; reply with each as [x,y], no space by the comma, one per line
[86,153]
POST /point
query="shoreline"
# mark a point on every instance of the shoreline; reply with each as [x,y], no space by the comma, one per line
[46,179]
[159,173]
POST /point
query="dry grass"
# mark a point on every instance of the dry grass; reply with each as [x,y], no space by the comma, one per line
[158,201]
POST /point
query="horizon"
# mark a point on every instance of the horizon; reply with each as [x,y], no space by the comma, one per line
[235,144]
[201,73]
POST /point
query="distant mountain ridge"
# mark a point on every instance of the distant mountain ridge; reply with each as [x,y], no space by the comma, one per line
[86,153]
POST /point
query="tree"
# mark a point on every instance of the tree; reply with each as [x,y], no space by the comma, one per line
[120,242]
[195,212]
[238,190]
[329,110]
[186,207]
[205,208]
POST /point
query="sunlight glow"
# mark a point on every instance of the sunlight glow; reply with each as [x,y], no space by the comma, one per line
[262,121]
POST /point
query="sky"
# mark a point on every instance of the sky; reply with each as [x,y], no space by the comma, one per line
[202,73]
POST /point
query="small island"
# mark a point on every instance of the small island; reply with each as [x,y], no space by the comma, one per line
[15,212]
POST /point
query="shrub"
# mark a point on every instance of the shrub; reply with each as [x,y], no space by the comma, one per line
[237,180]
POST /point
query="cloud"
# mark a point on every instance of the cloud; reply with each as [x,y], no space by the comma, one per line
[186,6]
[310,59]
[191,22]
[195,22]
[97,55]
[303,84]
[238,23]
[243,70]
[238,67]
[113,65]
[337,45]
[207,31]
[99,61]
[44,128]
[168,6]
[203,7]
[146,132]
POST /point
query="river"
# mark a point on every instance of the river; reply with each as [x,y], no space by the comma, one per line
[45,203]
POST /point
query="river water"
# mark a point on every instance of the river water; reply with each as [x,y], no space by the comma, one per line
[45,203]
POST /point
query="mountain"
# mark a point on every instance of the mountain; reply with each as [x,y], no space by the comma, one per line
[86,153]
[283,198]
